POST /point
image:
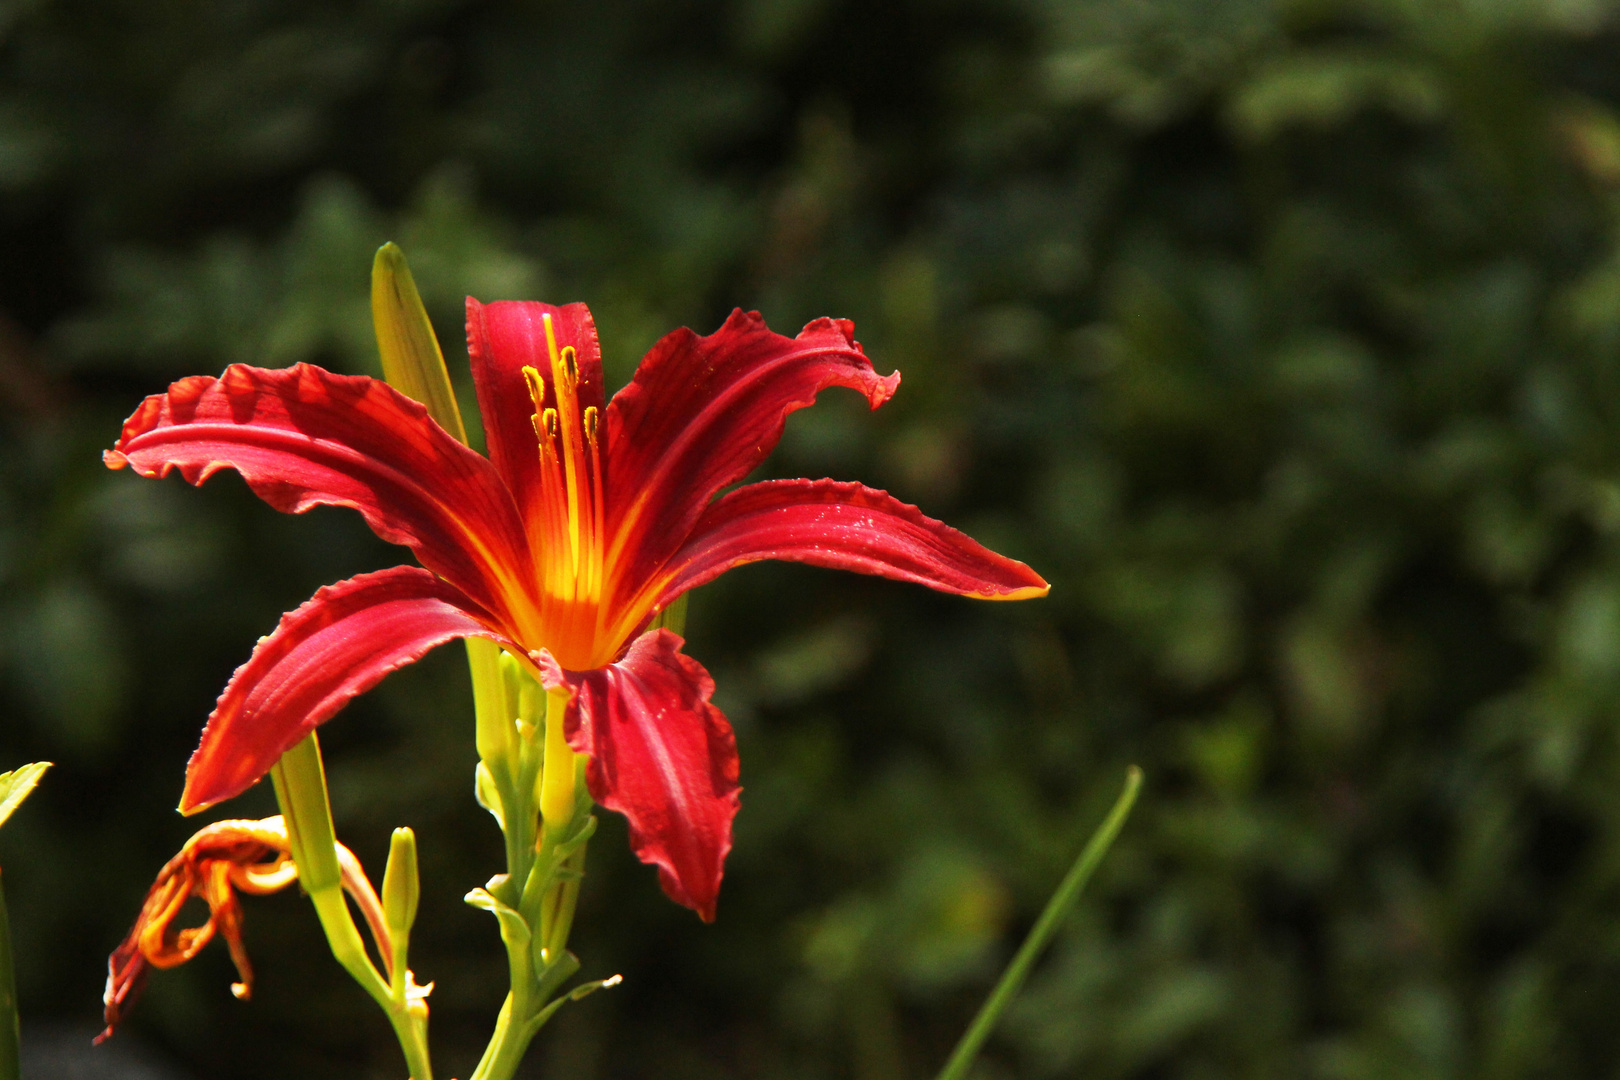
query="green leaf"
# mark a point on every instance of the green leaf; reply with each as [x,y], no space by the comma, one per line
[16,785]
[514,930]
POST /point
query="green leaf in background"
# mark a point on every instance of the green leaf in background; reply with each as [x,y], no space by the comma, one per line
[16,785]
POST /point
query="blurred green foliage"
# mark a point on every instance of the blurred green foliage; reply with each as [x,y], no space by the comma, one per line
[1283,337]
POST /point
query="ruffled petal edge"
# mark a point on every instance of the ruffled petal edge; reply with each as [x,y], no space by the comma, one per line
[338,644]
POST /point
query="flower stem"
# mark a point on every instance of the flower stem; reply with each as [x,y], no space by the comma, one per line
[300,782]
[545,883]
[504,1052]
[967,1050]
[10,1069]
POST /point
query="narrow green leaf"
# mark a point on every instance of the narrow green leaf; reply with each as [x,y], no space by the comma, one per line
[514,930]
[10,1068]
[16,785]
[577,993]
[1074,882]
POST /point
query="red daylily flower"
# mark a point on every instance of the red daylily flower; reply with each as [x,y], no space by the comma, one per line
[587,518]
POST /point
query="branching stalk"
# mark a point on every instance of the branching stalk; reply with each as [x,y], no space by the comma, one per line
[544,883]
[300,783]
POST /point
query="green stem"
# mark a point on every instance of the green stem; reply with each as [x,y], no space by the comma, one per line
[505,1051]
[562,923]
[300,782]
[546,889]
[299,778]
[967,1050]
[350,950]
[9,1067]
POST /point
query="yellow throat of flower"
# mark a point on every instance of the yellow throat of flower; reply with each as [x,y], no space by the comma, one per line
[572,531]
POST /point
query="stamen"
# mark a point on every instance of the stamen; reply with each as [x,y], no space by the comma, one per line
[572,497]
[537,387]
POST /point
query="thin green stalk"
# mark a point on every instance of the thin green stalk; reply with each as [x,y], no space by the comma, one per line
[9,1067]
[548,887]
[300,782]
[350,950]
[299,778]
[562,922]
[967,1050]
[502,1055]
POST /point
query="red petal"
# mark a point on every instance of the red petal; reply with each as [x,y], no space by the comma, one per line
[702,412]
[304,437]
[846,526]
[338,644]
[662,756]
[502,339]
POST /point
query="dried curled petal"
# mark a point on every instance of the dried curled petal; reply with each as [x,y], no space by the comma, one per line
[219,861]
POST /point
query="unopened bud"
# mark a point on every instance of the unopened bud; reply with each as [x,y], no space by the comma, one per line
[557,782]
[401,890]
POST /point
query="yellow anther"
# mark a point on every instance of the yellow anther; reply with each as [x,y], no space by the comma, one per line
[570,361]
[548,420]
[537,387]
[590,422]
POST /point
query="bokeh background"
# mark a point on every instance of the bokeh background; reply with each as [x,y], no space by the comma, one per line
[1282,336]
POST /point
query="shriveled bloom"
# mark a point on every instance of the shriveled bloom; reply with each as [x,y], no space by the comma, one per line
[221,860]
[587,518]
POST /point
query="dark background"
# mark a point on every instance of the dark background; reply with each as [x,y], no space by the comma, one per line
[1282,337]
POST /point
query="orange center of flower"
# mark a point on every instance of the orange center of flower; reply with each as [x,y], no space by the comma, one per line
[572,533]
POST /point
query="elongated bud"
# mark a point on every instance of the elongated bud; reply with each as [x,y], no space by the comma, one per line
[493,707]
[523,694]
[411,360]
[401,890]
[557,782]
[300,783]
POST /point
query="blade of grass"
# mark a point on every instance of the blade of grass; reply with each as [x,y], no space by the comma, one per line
[972,1041]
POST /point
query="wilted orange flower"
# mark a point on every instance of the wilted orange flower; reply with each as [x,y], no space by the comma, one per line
[251,856]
